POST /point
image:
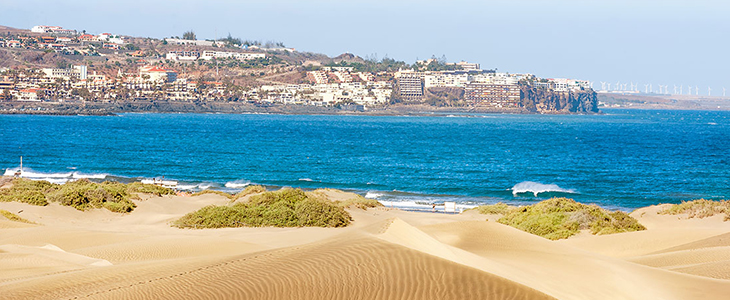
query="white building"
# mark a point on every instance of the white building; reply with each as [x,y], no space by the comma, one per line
[208,55]
[78,72]
[52,29]
[157,74]
[446,80]
[564,84]
[190,42]
[182,55]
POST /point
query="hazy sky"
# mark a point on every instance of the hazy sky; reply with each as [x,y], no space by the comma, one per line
[651,41]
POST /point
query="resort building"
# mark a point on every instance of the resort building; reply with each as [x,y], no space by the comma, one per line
[496,95]
[157,74]
[410,85]
[443,79]
[318,77]
[190,42]
[77,72]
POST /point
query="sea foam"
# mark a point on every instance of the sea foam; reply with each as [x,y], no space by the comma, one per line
[536,188]
[238,184]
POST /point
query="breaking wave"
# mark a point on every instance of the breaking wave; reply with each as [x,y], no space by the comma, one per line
[536,188]
[238,184]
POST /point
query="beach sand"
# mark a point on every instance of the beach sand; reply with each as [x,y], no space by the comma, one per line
[384,254]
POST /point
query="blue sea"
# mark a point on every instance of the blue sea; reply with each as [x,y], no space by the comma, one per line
[622,159]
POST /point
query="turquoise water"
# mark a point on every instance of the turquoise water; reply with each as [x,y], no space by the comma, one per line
[623,159]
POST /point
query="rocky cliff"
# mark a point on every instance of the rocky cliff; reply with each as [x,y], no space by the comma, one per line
[542,100]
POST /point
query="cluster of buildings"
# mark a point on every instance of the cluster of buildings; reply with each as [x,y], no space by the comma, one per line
[209,55]
[365,93]
[62,40]
[204,43]
[338,75]
[481,87]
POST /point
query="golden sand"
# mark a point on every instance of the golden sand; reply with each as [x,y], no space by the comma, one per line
[384,254]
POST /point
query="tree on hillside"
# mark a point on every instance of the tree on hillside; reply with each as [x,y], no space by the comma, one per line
[189,35]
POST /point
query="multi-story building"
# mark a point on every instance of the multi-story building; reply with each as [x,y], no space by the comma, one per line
[157,74]
[410,85]
[565,85]
[496,95]
[444,79]
[78,72]
[52,29]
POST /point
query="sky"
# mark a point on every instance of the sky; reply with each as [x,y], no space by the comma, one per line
[641,41]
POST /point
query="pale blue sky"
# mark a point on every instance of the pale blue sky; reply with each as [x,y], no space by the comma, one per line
[651,41]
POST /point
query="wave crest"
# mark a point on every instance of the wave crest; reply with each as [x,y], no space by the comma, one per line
[237,184]
[536,188]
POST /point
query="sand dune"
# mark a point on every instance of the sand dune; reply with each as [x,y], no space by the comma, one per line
[384,254]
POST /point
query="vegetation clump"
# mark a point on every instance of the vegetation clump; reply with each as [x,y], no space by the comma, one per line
[220,193]
[700,208]
[560,218]
[493,209]
[13,217]
[249,190]
[81,194]
[355,200]
[283,208]
[26,191]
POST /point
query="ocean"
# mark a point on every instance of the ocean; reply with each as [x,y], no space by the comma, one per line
[622,159]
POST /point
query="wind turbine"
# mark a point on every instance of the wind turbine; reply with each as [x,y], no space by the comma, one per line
[646,88]
[689,90]
[681,86]
[618,85]
[697,91]
[651,88]
[609,86]
[709,91]
[675,89]
[723,92]
[603,85]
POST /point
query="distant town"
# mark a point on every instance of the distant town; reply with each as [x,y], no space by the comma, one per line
[51,64]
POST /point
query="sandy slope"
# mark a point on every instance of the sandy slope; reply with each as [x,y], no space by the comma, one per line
[384,254]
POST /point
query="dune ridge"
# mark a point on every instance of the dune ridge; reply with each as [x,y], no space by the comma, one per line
[383,254]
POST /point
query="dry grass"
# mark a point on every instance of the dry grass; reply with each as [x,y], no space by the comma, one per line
[494,209]
[13,217]
[249,190]
[354,201]
[220,193]
[700,208]
[561,218]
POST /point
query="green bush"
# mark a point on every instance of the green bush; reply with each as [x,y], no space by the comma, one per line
[283,208]
[560,218]
[138,187]
[493,209]
[26,191]
[81,194]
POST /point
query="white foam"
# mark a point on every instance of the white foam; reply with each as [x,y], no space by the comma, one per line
[78,175]
[306,179]
[536,188]
[373,195]
[238,184]
[186,186]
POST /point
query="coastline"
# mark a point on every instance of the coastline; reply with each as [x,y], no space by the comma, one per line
[385,253]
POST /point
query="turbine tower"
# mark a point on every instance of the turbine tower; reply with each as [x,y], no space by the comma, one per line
[675,89]
[697,91]
[646,88]
[681,86]
[709,91]
[603,85]
[723,92]
[689,90]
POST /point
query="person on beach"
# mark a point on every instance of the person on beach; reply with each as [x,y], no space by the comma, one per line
[433,207]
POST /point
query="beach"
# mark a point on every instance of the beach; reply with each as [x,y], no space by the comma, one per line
[384,253]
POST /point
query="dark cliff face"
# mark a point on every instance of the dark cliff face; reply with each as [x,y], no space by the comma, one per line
[541,100]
